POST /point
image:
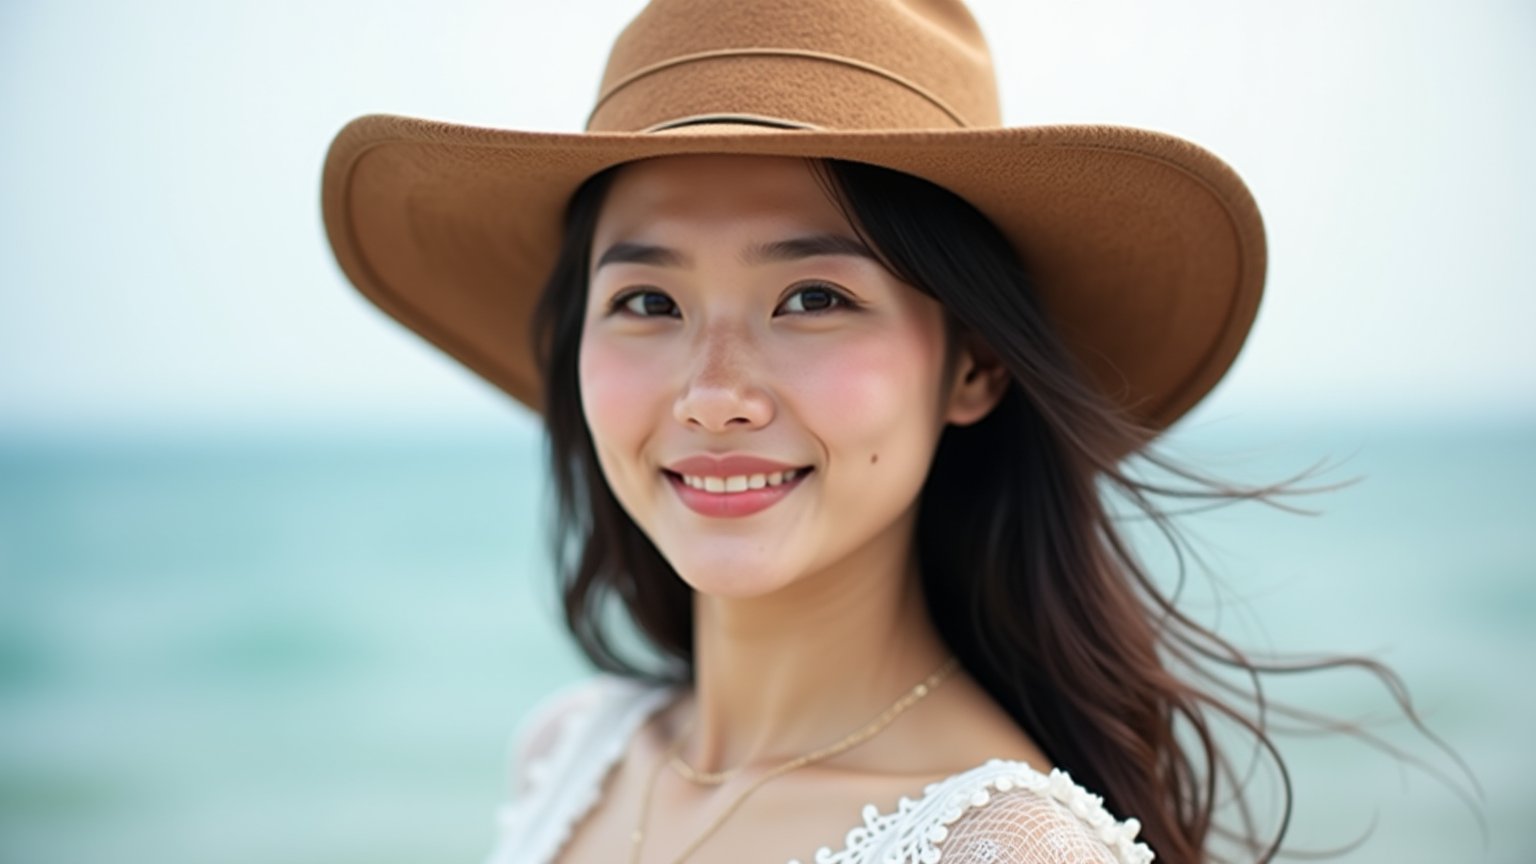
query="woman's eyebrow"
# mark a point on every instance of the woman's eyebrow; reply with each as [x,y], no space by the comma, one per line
[641,253]
[793,249]
[808,246]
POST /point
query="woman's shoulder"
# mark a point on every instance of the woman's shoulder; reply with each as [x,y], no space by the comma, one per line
[577,710]
[1002,812]
[561,751]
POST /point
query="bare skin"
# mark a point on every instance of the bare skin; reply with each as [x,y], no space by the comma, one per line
[808,616]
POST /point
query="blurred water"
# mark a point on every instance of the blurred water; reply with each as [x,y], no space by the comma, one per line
[313,651]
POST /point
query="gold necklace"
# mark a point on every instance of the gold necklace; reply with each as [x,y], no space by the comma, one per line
[702,778]
[858,736]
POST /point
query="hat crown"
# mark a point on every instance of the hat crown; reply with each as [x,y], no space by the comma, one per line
[820,64]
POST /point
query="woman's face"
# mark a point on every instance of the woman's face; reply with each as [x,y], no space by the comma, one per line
[738,337]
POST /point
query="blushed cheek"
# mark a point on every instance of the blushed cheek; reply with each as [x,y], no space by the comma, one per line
[616,390]
[871,392]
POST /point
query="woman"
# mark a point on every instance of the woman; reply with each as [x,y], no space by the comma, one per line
[836,376]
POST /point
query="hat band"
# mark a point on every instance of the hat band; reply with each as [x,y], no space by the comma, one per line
[730,120]
[910,85]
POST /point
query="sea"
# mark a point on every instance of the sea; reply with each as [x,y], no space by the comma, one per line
[297,649]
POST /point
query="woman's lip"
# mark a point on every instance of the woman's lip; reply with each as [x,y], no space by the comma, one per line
[730,505]
[740,465]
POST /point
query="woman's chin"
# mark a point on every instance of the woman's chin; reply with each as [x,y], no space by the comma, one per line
[735,581]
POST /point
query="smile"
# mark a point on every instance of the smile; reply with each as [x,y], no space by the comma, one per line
[743,482]
[740,495]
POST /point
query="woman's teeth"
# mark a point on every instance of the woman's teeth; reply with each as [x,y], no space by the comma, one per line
[743,482]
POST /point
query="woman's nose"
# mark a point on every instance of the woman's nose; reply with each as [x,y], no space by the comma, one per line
[723,390]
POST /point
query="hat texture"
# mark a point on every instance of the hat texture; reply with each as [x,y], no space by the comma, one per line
[1147,251]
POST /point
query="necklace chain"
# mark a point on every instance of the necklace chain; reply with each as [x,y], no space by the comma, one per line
[702,778]
[853,739]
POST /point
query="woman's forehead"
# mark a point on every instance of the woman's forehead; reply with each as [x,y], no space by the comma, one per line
[717,194]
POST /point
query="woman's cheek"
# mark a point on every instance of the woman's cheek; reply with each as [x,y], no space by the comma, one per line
[616,387]
[858,388]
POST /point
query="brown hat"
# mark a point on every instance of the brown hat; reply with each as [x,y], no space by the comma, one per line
[1147,251]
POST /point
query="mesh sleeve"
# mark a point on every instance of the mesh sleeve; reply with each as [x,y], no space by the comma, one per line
[1023,827]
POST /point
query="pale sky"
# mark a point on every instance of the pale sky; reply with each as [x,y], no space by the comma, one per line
[162,263]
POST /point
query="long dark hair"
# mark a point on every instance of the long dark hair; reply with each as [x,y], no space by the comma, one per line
[1027,576]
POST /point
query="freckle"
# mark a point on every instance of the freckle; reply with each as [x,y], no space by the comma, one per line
[873,458]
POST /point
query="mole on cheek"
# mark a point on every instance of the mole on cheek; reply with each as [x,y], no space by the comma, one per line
[873,458]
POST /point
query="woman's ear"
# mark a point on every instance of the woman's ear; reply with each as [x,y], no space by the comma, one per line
[978,383]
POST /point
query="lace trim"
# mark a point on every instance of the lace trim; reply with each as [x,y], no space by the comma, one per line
[916,829]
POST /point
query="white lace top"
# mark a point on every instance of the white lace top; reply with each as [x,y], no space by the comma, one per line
[1000,812]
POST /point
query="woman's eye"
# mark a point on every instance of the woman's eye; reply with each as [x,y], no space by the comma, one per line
[647,304]
[813,299]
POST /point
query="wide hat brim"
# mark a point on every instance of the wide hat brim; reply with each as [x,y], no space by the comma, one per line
[1147,251]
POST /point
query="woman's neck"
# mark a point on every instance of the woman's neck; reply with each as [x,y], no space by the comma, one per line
[782,675]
